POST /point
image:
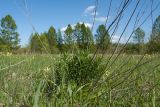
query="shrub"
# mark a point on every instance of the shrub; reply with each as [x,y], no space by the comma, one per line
[78,69]
[83,69]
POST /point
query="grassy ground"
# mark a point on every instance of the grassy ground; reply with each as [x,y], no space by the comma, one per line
[126,82]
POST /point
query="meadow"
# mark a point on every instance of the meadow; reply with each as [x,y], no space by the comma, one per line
[86,53]
[32,81]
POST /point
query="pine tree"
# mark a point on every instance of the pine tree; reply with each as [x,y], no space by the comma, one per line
[86,37]
[154,43]
[139,38]
[77,34]
[69,35]
[69,41]
[102,37]
[59,40]
[35,43]
[51,36]
[8,33]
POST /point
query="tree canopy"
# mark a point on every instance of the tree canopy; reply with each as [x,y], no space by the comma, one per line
[8,33]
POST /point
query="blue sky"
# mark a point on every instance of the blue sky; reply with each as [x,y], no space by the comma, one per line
[60,13]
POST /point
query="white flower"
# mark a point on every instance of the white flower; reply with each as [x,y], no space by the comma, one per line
[13,74]
[47,69]
[9,54]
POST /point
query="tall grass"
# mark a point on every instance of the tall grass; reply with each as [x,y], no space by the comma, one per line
[83,79]
[34,83]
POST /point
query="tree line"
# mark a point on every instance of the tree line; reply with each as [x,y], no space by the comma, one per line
[79,37]
[75,38]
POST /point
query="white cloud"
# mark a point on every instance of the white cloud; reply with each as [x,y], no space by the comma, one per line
[115,38]
[63,29]
[73,26]
[101,19]
[90,11]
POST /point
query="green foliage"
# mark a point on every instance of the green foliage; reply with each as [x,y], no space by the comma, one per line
[35,43]
[80,37]
[8,34]
[156,29]
[42,43]
[51,36]
[139,39]
[25,85]
[69,35]
[82,69]
[59,41]
[139,36]
[131,48]
[83,37]
[79,69]
[154,43]
[77,34]
[87,37]
[102,37]
[4,48]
